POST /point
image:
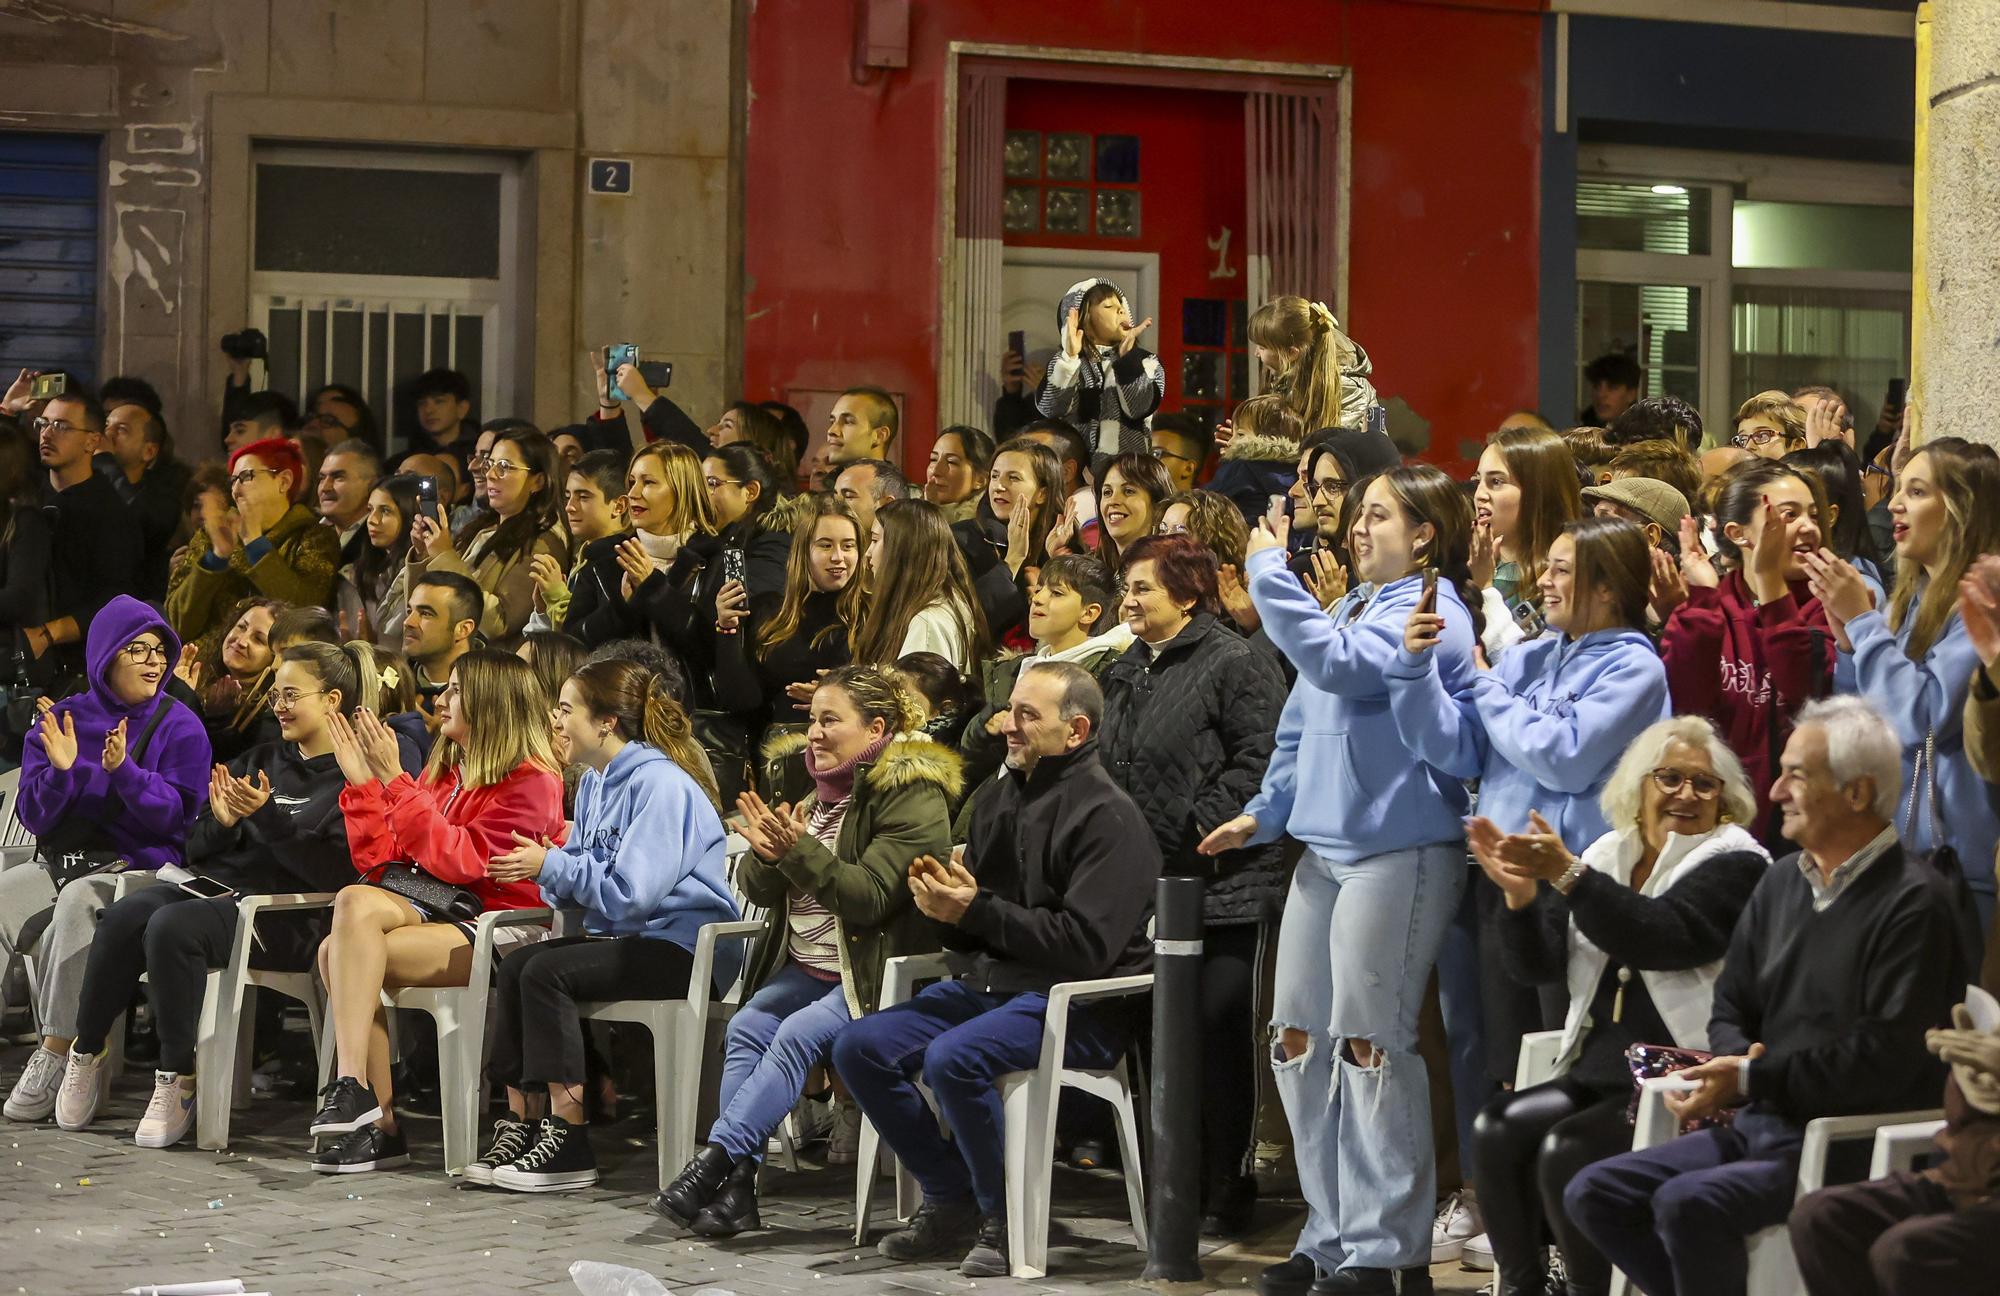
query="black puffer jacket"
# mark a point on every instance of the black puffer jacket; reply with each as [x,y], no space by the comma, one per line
[1188,729]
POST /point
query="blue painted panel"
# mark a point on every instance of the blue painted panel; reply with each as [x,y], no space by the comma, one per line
[49,252]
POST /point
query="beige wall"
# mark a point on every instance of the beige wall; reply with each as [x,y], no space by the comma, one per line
[182,90]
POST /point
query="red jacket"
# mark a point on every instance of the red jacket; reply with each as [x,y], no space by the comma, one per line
[1749,669]
[451,833]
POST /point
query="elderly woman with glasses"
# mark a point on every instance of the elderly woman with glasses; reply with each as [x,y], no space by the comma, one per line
[268,544]
[1636,927]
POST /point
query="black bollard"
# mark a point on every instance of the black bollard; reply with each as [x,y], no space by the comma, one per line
[1173,1203]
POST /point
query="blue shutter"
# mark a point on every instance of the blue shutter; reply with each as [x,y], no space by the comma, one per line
[48,253]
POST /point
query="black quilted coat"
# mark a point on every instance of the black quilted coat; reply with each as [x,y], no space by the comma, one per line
[1188,729]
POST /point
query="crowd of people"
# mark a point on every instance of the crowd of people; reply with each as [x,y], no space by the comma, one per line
[1681,745]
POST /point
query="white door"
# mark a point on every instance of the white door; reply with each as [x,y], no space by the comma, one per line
[1033,280]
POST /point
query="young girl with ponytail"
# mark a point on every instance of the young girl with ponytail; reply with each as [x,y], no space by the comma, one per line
[1320,372]
[831,874]
[645,864]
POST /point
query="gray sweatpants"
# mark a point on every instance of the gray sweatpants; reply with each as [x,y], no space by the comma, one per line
[64,946]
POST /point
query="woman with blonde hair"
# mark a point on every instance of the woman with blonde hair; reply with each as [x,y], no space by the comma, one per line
[1636,927]
[1525,492]
[493,777]
[645,864]
[667,503]
[831,875]
[1915,659]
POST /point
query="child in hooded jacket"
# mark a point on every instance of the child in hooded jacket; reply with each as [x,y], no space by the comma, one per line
[1100,381]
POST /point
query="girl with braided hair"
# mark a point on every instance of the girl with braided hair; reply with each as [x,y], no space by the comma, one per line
[645,863]
[830,873]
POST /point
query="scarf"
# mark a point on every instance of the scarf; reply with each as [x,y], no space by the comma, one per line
[837,784]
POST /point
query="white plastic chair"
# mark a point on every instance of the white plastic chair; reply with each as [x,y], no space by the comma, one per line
[460,1014]
[17,844]
[1773,1271]
[1029,1101]
[679,1028]
[222,1051]
[1540,1050]
[1899,1148]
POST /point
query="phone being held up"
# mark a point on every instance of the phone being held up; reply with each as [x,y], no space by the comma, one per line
[1428,602]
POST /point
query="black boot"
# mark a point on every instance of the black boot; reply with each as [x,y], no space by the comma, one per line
[1230,1206]
[695,1185]
[734,1209]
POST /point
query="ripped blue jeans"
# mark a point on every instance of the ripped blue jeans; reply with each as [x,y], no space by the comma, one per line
[1355,950]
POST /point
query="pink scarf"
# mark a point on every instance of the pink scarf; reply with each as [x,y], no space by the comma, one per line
[837,784]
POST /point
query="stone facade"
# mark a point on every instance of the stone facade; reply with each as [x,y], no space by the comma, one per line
[1957,380]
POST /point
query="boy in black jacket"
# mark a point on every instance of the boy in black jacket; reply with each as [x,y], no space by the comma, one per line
[1846,954]
[1062,867]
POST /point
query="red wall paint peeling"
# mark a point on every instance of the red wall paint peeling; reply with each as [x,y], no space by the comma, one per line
[843,185]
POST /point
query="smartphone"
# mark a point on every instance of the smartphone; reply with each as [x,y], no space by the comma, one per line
[1429,601]
[1897,386]
[49,385]
[427,498]
[205,888]
[1017,342]
[732,566]
[615,355]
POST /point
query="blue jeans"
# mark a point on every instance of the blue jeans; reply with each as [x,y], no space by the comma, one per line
[1676,1217]
[774,1040]
[1355,951]
[960,1041]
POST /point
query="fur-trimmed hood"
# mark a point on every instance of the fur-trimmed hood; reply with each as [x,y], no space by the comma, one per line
[1259,447]
[909,759]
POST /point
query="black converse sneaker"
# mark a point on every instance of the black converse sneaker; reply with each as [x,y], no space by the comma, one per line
[560,1160]
[937,1230]
[988,1257]
[369,1148]
[346,1105]
[510,1139]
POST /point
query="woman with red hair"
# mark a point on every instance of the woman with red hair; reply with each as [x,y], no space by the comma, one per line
[268,544]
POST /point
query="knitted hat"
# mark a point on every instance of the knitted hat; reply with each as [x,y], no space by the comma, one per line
[1653,500]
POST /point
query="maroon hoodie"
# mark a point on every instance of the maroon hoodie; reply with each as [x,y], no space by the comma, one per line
[1749,669]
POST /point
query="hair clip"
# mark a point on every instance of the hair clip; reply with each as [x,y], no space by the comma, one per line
[389,677]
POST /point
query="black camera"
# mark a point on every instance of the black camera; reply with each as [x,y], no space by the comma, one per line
[250,344]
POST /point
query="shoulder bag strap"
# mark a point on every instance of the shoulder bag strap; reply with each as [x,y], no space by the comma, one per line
[152,723]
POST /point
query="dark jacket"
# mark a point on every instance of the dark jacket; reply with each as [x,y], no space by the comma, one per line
[1839,999]
[1066,870]
[662,421]
[1254,468]
[901,808]
[154,504]
[982,542]
[751,685]
[296,841]
[92,559]
[598,612]
[984,751]
[678,604]
[1188,729]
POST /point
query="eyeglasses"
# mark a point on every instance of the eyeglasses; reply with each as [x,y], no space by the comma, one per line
[1326,489]
[1706,787]
[141,653]
[286,699]
[247,476]
[59,425]
[1762,436]
[1161,452]
[717,483]
[498,469]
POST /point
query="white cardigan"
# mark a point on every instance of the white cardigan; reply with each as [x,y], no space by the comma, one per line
[1684,998]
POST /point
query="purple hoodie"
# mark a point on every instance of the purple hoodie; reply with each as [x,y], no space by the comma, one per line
[145,807]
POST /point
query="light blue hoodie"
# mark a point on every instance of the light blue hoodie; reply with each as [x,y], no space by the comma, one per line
[646,857]
[1341,779]
[1928,698]
[1540,731]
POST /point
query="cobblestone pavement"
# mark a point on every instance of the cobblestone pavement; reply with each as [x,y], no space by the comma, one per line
[91,1213]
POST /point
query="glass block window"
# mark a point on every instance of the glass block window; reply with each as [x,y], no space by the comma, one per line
[1118,213]
[1204,322]
[1068,157]
[1071,183]
[1021,155]
[1066,211]
[1021,212]
[1118,159]
[1214,367]
[1201,375]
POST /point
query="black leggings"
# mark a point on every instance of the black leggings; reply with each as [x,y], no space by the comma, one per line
[538,1036]
[174,939]
[1526,1148]
[1230,1056]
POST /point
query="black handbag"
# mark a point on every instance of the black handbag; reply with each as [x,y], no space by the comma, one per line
[1944,873]
[75,852]
[440,900]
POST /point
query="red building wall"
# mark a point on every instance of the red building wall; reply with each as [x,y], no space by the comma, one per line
[843,184]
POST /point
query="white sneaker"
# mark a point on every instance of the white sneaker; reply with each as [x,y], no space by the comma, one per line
[169,1114]
[34,1095]
[1478,1254]
[1457,1220]
[82,1089]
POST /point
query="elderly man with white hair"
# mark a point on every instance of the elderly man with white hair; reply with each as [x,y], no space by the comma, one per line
[1847,953]
[1636,928]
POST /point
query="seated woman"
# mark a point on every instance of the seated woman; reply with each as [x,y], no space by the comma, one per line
[919,594]
[492,775]
[645,864]
[373,590]
[272,824]
[119,769]
[519,509]
[269,543]
[830,873]
[226,673]
[1637,929]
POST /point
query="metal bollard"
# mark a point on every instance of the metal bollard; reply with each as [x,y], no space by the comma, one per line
[1173,1203]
